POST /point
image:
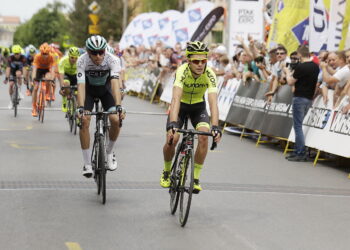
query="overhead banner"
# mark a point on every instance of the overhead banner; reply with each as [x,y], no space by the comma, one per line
[207,24]
[325,128]
[245,18]
[336,24]
[290,23]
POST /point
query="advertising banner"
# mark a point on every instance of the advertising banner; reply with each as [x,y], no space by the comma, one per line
[318,25]
[207,24]
[226,95]
[325,128]
[166,22]
[190,21]
[336,23]
[278,120]
[290,24]
[167,85]
[245,18]
[242,102]
[256,116]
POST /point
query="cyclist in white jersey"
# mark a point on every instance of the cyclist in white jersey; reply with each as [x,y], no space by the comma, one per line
[98,77]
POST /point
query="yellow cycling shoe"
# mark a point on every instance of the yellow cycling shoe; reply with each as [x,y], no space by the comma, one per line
[64,108]
[196,186]
[165,180]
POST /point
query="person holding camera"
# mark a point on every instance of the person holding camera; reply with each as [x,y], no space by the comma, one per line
[304,80]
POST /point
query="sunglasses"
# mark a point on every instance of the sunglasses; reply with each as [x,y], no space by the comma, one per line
[97,52]
[294,58]
[45,54]
[197,61]
[280,53]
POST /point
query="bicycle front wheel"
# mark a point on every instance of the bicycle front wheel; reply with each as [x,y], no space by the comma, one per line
[15,99]
[102,167]
[42,103]
[174,184]
[186,187]
[74,117]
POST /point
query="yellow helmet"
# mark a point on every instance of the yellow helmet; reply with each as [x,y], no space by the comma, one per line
[16,49]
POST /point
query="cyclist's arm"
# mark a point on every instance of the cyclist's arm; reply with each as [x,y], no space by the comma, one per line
[175,104]
[8,69]
[114,65]
[81,82]
[212,99]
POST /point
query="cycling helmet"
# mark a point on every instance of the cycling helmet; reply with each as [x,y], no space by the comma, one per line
[196,48]
[110,49]
[45,48]
[16,49]
[73,52]
[32,50]
[97,42]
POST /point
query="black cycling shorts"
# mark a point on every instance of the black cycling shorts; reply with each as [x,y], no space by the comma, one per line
[40,73]
[103,93]
[196,112]
[72,79]
[14,70]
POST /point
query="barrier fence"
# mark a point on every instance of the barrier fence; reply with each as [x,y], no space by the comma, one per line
[326,129]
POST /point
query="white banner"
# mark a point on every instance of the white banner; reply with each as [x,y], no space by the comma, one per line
[167,22]
[226,96]
[245,18]
[167,88]
[190,20]
[318,26]
[336,19]
[327,129]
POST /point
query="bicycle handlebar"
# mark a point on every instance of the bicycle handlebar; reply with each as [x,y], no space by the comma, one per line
[69,87]
[106,113]
[196,132]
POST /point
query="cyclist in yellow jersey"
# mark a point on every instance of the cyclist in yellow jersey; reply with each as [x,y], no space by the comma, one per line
[192,80]
[67,68]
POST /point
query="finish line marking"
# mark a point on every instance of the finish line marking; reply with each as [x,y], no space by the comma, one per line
[73,246]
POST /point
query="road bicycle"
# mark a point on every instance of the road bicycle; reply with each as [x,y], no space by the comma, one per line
[42,98]
[15,94]
[182,173]
[71,108]
[99,155]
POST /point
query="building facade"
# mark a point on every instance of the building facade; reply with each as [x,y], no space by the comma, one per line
[8,26]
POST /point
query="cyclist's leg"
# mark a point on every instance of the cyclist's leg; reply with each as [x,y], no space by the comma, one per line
[200,120]
[19,75]
[84,135]
[65,93]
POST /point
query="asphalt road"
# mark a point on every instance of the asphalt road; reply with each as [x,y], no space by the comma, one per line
[252,199]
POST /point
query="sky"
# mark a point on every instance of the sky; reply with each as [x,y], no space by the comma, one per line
[25,9]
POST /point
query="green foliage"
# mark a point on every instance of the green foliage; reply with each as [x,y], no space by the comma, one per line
[160,5]
[47,25]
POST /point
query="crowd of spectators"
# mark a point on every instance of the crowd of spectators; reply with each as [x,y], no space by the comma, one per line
[252,61]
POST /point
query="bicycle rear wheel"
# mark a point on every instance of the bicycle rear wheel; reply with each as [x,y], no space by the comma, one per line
[70,115]
[94,161]
[74,117]
[39,105]
[102,167]
[186,188]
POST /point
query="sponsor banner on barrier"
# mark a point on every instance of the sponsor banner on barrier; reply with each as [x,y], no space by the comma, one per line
[258,110]
[242,102]
[325,128]
[167,87]
[278,119]
[226,95]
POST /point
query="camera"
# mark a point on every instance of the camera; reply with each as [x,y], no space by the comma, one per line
[292,66]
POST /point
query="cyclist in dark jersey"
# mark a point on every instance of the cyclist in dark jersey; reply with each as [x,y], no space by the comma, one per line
[16,64]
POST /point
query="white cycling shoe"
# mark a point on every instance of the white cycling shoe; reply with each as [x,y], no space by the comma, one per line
[112,161]
[87,171]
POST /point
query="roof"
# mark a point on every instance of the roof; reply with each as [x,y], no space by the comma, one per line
[10,20]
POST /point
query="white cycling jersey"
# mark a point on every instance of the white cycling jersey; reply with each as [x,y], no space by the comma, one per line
[97,75]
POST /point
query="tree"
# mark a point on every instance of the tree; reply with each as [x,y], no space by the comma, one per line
[160,5]
[47,25]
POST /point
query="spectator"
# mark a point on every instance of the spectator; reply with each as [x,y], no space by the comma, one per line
[340,78]
[304,79]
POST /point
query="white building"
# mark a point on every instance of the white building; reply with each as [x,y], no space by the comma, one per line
[8,25]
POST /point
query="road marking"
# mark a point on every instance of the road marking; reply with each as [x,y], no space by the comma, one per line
[17,129]
[18,146]
[73,246]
